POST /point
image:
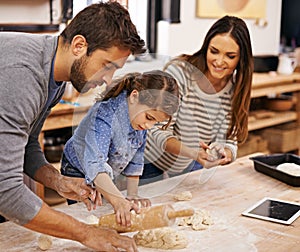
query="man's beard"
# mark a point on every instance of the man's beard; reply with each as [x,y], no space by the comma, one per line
[77,76]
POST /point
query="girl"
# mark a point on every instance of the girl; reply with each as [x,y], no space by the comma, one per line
[111,138]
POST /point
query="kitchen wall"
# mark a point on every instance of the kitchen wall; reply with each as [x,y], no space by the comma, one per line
[29,11]
[173,39]
[187,36]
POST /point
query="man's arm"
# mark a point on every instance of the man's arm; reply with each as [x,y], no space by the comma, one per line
[67,187]
[58,224]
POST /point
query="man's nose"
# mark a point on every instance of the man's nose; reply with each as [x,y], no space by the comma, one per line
[108,77]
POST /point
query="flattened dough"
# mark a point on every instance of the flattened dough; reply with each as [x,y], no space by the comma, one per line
[45,242]
[162,238]
[183,196]
[290,168]
[199,221]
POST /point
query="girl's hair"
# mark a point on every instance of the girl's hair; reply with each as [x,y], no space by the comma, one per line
[238,30]
[157,90]
[105,25]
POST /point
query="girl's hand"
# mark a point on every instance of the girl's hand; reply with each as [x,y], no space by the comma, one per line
[141,202]
[123,209]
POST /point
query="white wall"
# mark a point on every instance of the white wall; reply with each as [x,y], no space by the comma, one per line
[29,11]
[187,36]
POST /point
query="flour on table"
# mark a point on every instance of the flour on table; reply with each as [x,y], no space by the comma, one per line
[45,242]
[162,238]
[290,168]
[183,196]
[200,220]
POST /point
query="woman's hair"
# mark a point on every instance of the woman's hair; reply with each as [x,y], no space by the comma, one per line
[157,90]
[105,25]
[238,30]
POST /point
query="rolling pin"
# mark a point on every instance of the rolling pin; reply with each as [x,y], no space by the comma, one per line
[148,218]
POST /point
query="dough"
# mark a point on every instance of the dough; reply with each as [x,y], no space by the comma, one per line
[161,238]
[213,151]
[199,221]
[44,242]
[290,168]
[92,220]
[183,196]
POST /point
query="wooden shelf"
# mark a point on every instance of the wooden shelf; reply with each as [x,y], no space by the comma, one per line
[278,118]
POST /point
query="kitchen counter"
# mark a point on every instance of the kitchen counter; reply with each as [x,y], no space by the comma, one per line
[225,192]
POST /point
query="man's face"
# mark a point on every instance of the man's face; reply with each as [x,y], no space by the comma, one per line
[90,71]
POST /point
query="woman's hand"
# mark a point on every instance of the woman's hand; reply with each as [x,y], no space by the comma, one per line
[213,155]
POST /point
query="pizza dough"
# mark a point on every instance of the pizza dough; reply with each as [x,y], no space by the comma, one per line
[161,238]
[199,221]
[290,168]
[44,242]
[183,196]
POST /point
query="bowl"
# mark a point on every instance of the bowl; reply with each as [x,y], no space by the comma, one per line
[283,103]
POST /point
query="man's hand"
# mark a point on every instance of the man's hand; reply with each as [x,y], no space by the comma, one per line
[68,187]
[76,189]
[103,239]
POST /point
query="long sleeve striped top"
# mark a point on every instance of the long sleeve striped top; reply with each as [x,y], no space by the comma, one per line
[200,117]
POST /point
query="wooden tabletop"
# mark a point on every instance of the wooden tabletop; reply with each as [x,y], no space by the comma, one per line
[225,192]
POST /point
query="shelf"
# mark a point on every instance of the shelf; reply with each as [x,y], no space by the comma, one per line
[278,118]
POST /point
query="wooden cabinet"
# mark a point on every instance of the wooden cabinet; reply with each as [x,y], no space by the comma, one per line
[267,85]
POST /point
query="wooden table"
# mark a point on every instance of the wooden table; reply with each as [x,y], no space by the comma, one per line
[223,191]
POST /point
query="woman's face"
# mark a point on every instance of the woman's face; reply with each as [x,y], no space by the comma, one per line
[223,55]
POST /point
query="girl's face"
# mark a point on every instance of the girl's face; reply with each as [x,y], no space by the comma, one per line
[223,55]
[141,116]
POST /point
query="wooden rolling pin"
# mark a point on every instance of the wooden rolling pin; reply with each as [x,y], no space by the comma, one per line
[148,218]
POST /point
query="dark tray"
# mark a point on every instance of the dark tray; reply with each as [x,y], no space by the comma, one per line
[267,164]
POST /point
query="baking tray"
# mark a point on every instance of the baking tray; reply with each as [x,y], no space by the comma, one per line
[267,164]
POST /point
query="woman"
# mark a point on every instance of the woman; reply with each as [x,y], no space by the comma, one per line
[110,140]
[214,85]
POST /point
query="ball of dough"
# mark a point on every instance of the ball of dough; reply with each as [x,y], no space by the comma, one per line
[199,221]
[161,238]
[290,168]
[44,242]
[213,151]
[183,196]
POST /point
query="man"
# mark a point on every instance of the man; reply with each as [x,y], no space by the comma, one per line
[34,69]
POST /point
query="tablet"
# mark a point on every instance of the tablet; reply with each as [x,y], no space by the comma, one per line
[275,210]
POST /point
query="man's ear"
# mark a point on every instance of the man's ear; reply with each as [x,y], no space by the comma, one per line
[79,45]
[134,96]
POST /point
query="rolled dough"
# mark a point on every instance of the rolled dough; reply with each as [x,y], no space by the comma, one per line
[183,196]
[290,168]
[161,238]
[199,221]
[44,242]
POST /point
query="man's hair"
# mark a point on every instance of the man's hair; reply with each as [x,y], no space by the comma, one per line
[105,25]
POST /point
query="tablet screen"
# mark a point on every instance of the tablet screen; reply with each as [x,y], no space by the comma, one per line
[274,210]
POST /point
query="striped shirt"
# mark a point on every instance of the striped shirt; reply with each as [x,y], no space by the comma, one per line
[200,117]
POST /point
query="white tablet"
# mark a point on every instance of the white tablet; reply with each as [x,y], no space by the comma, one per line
[275,210]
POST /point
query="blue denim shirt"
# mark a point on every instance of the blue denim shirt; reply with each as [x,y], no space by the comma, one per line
[105,141]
